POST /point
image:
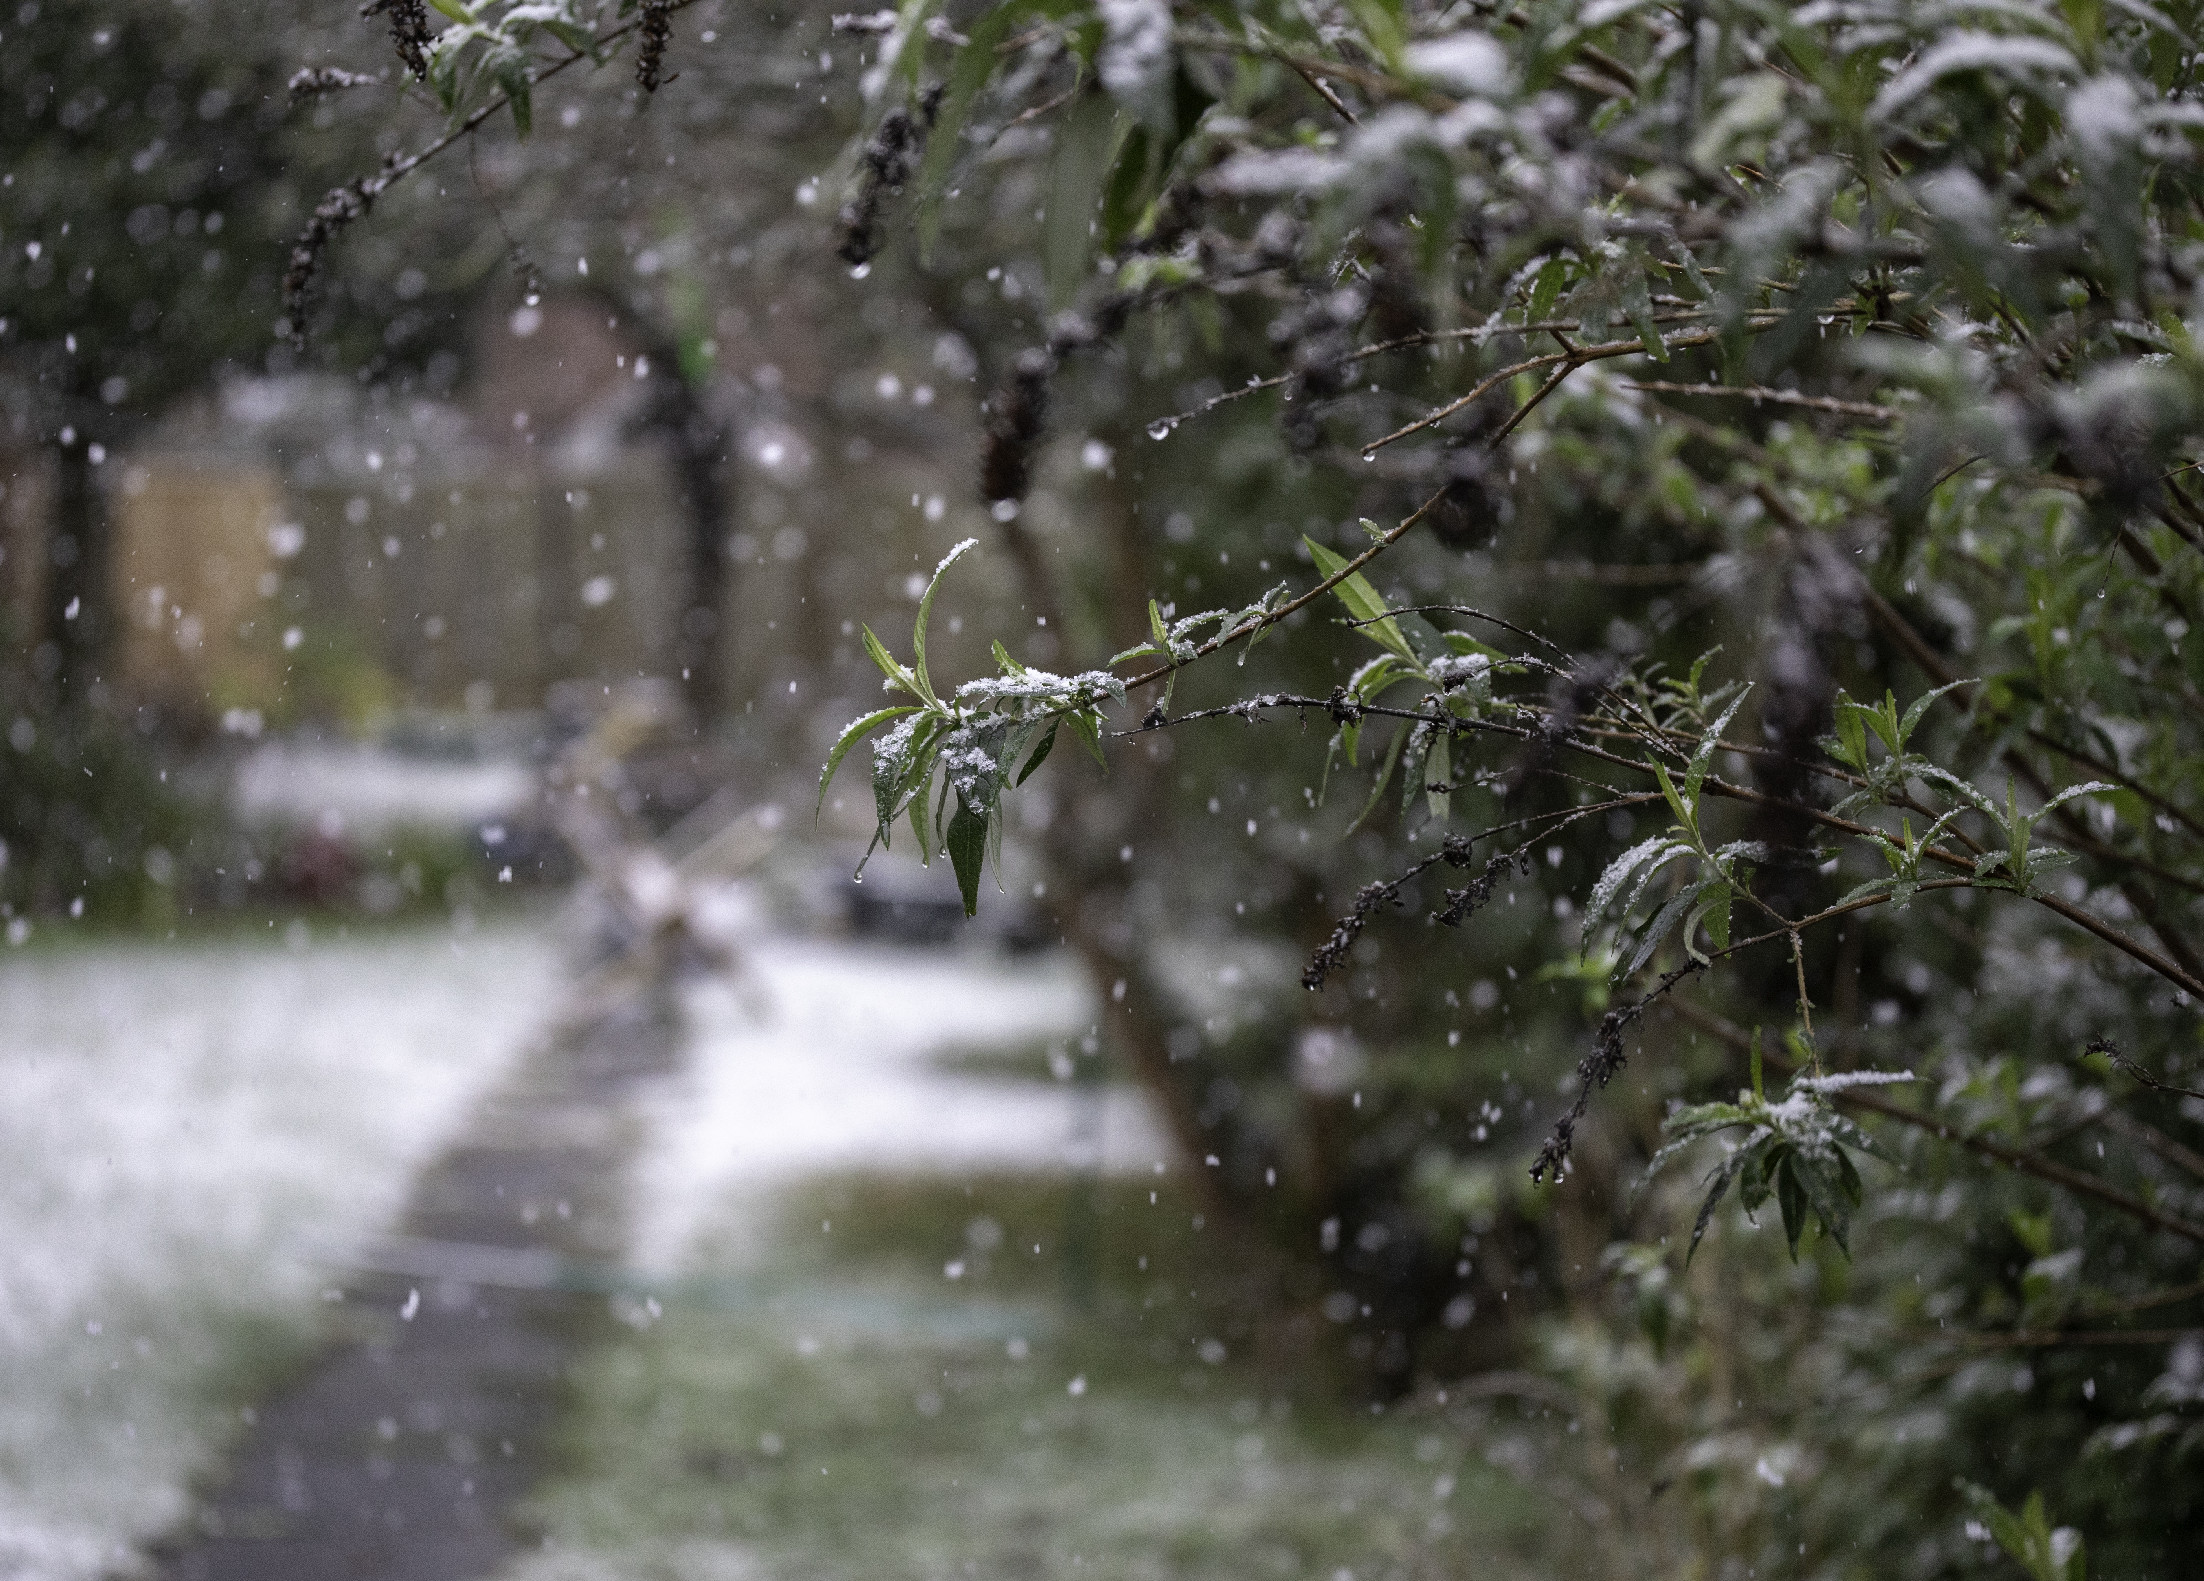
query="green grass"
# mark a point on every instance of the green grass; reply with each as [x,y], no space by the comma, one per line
[1042,1059]
[845,1409]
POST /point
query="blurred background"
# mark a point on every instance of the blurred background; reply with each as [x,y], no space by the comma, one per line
[464,1117]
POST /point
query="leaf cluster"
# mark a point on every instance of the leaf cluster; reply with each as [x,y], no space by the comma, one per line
[1797,1150]
[945,763]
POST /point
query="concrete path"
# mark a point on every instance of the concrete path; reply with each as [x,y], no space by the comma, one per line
[397,1456]
[591,1175]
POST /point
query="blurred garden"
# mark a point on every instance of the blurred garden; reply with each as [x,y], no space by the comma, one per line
[1198,788]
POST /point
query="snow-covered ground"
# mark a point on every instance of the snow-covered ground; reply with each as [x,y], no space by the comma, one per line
[822,1060]
[188,1130]
[361,788]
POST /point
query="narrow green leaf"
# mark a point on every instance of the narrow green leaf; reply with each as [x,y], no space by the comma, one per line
[1084,148]
[1412,765]
[856,732]
[1703,758]
[925,609]
[1921,706]
[1363,602]
[1790,1196]
[1718,1187]
[1821,1184]
[1675,802]
[1618,872]
[1713,912]
[1637,304]
[1385,775]
[1091,733]
[967,842]
[889,665]
[1040,756]
[921,829]
[519,95]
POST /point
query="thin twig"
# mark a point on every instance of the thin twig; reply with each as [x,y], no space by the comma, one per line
[1757,393]
[2111,1051]
[1515,418]
[1323,90]
[1423,337]
[1576,358]
[1391,536]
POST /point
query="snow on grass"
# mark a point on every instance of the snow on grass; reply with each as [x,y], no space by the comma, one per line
[821,1061]
[189,1129]
[366,788]
[838,1406]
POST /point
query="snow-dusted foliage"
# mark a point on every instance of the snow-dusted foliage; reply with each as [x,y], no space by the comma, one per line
[1741,460]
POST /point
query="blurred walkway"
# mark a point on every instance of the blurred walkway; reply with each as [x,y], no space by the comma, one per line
[592,1173]
[396,1458]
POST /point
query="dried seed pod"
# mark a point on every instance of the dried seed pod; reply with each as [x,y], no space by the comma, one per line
[655,32]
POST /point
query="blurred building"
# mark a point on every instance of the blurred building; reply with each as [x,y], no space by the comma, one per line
[306,546]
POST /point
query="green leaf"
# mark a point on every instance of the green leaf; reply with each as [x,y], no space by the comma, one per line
[1384,776]
[1637,304]
[1085,143]
[926,608]
[922,828]
[1675,850]
[1822,1183]
[890,666]
[1385,24]
[574,36]
[1714,912]
[1790,1196]
[1619,871]
[1664,921]
[1703,758]
[1755,1173]
[856,731]
[1363,602]
[1718,1187]
[1921,706]
[514,77]
[1411,764]
[2046,1554]
[1040,756]
[1546,289]
[1091,733]
[1369,682]
[967,842]
[1675,802]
